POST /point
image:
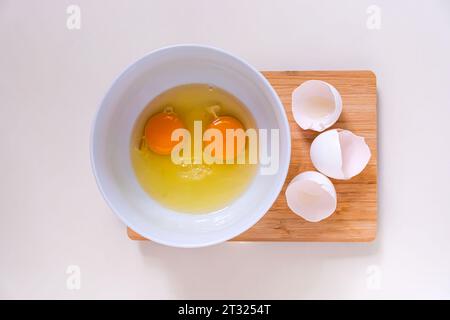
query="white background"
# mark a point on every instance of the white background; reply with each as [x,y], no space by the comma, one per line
[52,215]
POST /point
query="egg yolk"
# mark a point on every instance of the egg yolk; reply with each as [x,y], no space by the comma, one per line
[158,132]
[223,123]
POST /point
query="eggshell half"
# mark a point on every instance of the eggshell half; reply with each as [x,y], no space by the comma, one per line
[339,154]
[312,196]
[316,105]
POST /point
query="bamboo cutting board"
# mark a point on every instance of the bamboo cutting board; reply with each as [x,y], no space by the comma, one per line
[355,219]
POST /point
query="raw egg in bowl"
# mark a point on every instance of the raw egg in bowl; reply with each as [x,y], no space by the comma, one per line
[156,109]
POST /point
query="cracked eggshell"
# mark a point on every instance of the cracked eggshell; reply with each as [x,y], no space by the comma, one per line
[316,105]
[312,196]
[339,154]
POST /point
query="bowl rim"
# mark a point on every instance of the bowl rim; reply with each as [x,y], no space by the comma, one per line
[282,171]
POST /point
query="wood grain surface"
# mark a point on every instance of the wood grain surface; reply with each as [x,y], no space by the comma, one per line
[355,219]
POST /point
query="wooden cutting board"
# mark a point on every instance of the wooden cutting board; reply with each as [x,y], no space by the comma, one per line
[355,219]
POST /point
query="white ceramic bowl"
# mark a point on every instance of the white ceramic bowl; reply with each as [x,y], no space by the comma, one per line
[110,144]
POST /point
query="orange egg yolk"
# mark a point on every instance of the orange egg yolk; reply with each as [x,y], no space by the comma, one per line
[158,132]
[223,123]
